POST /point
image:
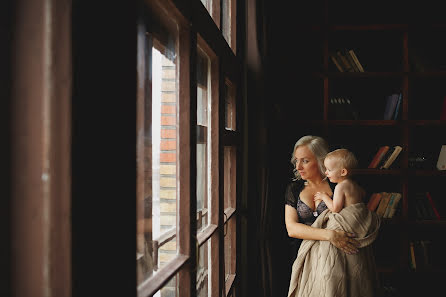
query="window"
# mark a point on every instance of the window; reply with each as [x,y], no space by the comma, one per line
[157,155]
[203,139]
[207,169]
[230,186]
[230,112]
[180,160]
[213,8]
[229,22]
[160,251]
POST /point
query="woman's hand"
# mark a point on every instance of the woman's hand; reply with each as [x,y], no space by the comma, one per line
[344,241]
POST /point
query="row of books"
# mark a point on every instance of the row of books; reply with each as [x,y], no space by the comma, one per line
[342,109]
[385,157]
[392,107]
[441,162]
[425,208]
[346,61]
[420,254]
[428,160]
[384,203]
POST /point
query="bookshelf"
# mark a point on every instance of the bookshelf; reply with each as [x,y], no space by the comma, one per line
[401,58]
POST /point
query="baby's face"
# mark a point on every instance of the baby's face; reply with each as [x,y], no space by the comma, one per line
[333,170]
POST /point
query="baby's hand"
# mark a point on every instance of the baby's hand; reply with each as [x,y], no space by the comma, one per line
[320,196]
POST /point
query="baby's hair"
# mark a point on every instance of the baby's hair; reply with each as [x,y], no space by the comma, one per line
[345,158]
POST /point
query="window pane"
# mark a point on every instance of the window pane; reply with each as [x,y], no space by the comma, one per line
[230,248]
[208,5]
[230,176]
[203,270]
[230,110]
[171,289]
[228,22]
[213,8]
[203,139]
[157,152]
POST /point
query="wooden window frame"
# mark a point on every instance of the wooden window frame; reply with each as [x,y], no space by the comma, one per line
[212,43]
[231,138]
[103,77]
[232,22]
[204,33]
[214,170]
[167,12]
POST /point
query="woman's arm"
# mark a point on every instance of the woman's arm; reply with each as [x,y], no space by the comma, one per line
[300,230]
[342,240]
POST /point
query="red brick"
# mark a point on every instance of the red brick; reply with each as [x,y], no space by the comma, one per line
[168,109]
[168,97]
[165,133]
[168,120]
[168,145]
[168,157]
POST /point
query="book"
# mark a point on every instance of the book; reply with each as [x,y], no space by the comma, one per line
[433,206]
[355,58]
[413,263]
[337,63]
[351,61]
[441,162]
[345,64]
[374,201]
[443,110]
[389,109]
[425,246]
[386,157]
[393,211]
[378,156]
[391,207]
[383,203]
[398,106]
[418,207]
[390,159]
[422,208]
[342,109]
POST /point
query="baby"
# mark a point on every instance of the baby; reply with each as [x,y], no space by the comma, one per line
[339,164]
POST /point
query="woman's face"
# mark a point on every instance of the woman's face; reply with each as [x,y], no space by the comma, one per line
[306,163]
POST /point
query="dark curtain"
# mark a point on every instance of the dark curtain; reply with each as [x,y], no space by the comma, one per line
[269,146]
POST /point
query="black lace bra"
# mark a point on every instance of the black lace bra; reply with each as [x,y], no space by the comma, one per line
[305,213]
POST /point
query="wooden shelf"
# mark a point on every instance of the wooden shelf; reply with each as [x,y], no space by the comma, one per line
[363,122]
[389,51]
[373,171]
[430,123]
[427,223]
[402,172]
[345,122]
[415,74]
[417,172]
[366,74]
[369,27]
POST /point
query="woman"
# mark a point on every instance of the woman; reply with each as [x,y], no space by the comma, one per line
[300,209]
[334,257]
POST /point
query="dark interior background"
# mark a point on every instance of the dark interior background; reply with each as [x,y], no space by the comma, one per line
[288,49]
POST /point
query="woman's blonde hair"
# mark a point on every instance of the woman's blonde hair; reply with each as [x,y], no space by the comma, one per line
[317,145]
